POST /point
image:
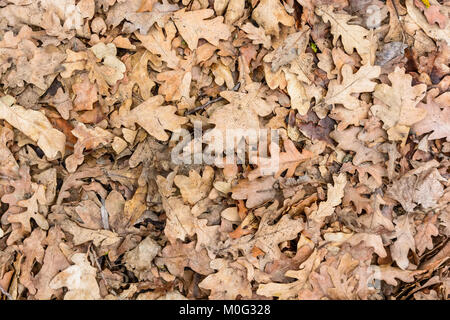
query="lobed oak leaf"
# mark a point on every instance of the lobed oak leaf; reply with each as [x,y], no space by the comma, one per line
[288,160]
[53,262]
[180,222]
[33,252]
[404,242]
[257,35]
[398,111]
[334,197]
[347,140]
[195,187]
[86,94]
[112,69]
[155,42]
[292,47]
[343,92]
[388,274]
[228,282]
[433,31]
[418,186]
[352,36]
[269,14]
[423,238]
[88,139]
[370,240]
[193,26]
[8,164]
[32,212]
[179,255]
[437,117]
[140,258]
[291,290]
[80,280]
[268,236]
[136,15]
[35,125]
[154,117]
[256,192]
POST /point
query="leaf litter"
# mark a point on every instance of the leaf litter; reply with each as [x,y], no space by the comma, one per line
[93,94]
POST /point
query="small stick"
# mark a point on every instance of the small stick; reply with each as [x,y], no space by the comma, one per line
[6,293]
[203,106]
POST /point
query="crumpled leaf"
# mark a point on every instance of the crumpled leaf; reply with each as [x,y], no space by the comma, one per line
[195,187]
[420,186]
[193,26]
[270,13]
[228,282]
[80,280]
[398,111]
[437,117]
[35,125]
[405,242]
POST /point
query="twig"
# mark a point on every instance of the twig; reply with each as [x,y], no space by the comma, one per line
[203,106]
[6,293]
[108,286]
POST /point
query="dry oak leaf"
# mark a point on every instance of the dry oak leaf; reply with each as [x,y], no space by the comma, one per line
[291,290]
[139,260]
[86,94]
[288,160]
[243,110]
[256,192]
[8,164]
[40,70]
[398,111]
[180,222]
[370,240]
[352,83]
[88,139]
[388,274]
[352,36]
[62,102]
[136,206]
[33,251]
[193,26]
[437,118]
[195,187]
[137,75]
[267,238]
[35,125]
[405,241]
[228,282]
[112,68]
[292,47]
[54,262]
[136,18]
[419,186]
[425,232]
[153,117]
[32,212]
[334,198]
[433,31]
[347,140]
[257,35]
[269,13]
[180,255]
[161,45]
[80,280]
